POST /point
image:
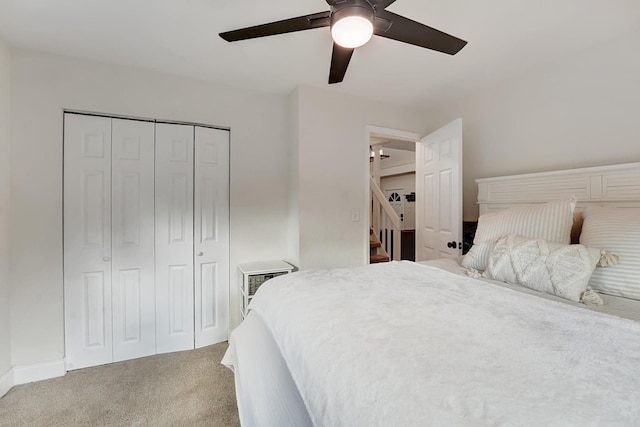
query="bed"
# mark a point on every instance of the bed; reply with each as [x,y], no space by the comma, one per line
[443,343]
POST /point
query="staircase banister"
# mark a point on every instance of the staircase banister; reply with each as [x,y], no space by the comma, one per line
[388,209]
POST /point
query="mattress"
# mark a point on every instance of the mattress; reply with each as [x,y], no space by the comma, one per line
[270,373]
[615,306]
[265,391]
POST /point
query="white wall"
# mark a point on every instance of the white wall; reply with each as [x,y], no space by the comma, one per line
[333,161]
[294,175]
[42,86]
[579,112]
[5,328]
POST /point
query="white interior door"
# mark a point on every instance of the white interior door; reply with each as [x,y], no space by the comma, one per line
[439,193]
[87,240]
[174,238]
[133,259]
[211,236]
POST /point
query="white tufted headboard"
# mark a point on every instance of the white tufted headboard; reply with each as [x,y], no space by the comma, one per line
[615,185]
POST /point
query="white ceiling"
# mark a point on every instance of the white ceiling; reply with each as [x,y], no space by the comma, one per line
[506,38]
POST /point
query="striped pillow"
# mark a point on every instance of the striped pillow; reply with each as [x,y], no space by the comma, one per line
[549,221]
[615,230]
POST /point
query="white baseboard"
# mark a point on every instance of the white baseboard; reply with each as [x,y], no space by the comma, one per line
[6,382]
[38,371]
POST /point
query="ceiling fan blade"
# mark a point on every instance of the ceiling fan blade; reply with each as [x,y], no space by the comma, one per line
[405,30]
[383,4]
[301,23]
[340,59]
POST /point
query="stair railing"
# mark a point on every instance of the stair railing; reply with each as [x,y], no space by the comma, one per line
[385,221]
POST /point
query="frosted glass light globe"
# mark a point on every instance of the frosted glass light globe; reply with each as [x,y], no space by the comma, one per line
[352,31]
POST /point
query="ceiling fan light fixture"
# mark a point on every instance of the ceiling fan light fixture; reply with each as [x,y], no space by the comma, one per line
[352,26]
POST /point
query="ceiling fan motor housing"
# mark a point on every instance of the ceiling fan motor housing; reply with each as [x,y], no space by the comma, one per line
[353,8]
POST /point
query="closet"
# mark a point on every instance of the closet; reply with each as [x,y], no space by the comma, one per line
[146,238]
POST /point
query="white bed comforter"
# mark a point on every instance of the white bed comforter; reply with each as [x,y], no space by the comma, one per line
[403,344]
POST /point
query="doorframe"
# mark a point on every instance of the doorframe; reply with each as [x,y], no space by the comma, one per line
[369,131]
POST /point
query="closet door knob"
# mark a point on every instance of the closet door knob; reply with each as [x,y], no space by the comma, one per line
[200,253]
[106,258]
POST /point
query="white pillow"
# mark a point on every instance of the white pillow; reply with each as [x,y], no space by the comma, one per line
[553,268]
[550,221]
[615,230]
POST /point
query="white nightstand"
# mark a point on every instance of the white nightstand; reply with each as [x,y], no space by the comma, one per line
[255,274]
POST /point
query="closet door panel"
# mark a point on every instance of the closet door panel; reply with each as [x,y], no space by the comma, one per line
[174,238]
[87,240]
[212,236]
[133,267]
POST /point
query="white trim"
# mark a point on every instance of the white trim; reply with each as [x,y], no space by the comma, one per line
[6,382]
[398,170]
[38,371]
[393,134]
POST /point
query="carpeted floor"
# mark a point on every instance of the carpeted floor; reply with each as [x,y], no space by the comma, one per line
[188,388]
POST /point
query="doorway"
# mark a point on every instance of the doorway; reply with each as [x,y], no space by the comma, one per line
[432,171]
[392,160]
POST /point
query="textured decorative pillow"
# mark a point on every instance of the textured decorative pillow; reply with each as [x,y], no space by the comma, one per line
[550,221]
[616,230]
[553,268]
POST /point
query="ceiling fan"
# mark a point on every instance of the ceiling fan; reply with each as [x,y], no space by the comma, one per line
[353,23]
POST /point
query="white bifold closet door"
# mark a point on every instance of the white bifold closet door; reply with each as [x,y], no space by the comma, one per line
[211,236]
[132,239]
[192,236]
[174,237]
[146,238]
[108,240]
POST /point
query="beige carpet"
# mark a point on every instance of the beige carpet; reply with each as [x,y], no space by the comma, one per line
[188,388]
